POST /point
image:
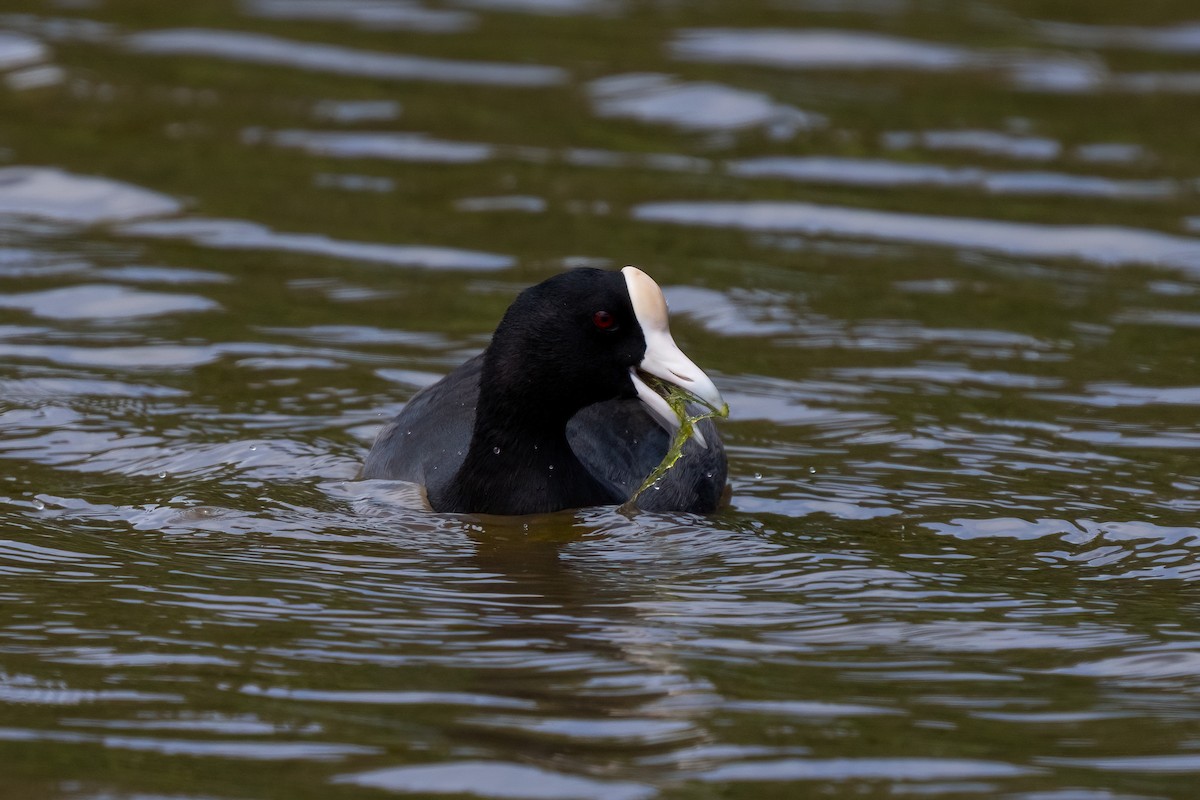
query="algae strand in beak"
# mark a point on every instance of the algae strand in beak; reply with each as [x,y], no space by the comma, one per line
[677,399]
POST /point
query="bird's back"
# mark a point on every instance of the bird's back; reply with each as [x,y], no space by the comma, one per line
[427,441]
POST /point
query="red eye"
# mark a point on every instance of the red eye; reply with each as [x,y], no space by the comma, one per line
[604,320]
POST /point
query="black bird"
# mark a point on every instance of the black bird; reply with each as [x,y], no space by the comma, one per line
[553,414]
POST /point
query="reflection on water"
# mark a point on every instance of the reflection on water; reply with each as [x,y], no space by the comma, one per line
[235,234]
[1024,69]
[941,260]
[57,195]
[816,49]
[986,143]
[369,14]
[17,50]
[393,146]
[261,49]
[103,302]
[657,98]
[875,172]
[1105,245]
[1181,38]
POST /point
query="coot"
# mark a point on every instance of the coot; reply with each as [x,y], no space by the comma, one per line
[553,414]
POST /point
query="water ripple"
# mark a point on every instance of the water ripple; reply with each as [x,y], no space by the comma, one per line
[226,234]
[919,769]
[497,780]
[262,49]
[366,14]
[236,749]
[58,195]
[655,98]
[1104,245]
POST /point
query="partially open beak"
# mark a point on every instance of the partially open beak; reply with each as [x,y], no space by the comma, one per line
[663,358]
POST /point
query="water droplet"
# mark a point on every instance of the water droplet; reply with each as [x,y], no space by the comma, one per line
[39,505]
[708,474]
[812,470]
[496,450]
[551,466]
[162,475]
[758,476]
[253,447]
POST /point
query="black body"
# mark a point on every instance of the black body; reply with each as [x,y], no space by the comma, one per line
[545,418]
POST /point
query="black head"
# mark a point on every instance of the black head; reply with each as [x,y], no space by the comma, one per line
[567,342]
[571,341]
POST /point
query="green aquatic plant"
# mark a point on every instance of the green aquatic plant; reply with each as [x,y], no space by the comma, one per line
[678,400]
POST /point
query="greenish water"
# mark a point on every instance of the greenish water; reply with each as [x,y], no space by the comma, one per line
[943,260]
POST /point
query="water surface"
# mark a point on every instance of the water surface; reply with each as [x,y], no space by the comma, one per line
[943,260]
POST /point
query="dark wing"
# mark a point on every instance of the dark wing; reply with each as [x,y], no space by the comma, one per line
[620,444]
[617,441]
[427,441]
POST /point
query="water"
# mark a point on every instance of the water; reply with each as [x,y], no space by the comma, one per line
[942,259]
